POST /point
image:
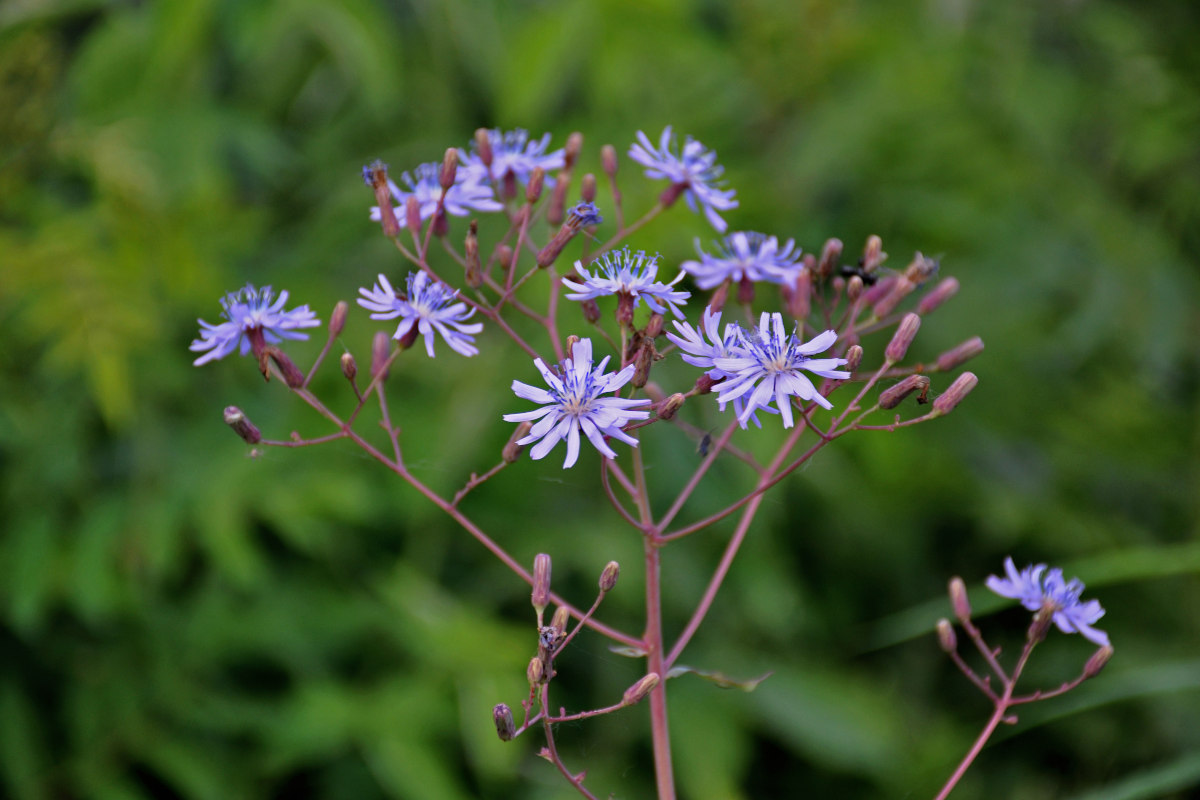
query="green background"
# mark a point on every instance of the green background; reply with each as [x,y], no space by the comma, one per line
[180,620]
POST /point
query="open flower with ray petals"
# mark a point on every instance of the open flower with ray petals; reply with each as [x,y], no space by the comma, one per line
[622,272]
[515,154]
[745,256]
[695,172]
[254,318]
[466,195]
[1036,590]
[426,308]
[574,402]
[769,367]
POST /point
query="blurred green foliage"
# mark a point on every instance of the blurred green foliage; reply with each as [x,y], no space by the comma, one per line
[178,620]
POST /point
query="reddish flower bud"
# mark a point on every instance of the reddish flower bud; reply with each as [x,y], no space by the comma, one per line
[349,366]
[906,331]
[608,160]
[483,146]
[946,288]
[449,168]
[590,309]
[337,320]
[608,577]
[587,188]
[946,638]
[242,426]
[505,727]
[891,397]
[960,354]
[635,694]
[873,254]
[1096,663]
[535,672]
[959,601]
[572,150]
[292,375]
[412,213]
[381,349]
[669,407]
[961,387]
[854,288]
[540,597]
[537,179]
[831,253]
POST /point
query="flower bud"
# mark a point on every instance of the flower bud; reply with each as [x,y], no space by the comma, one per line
[717,301]
[349,366]
[590,309]
[540,596]
[961,387]
[375,175]
[854,288]
[512,450]
[1041,621]
[535,671]
[483,147]
[580,216]
[946,288]
[608,578]
[946,637]
[960,354]
[1096,663]
[668,408]
[608,160]
[901,288]
[381,347]
[412,213]
[624,309]
[891,397]
[473,271]
[449,168]
[506,729]
[906,331]
[873,254]
[292,375]
[504,254]
[704,384]
[571,340]
[830,254]
[534,189]
[587,188]
[958,600]
[854,357]
[635,694]
[242,426]
[337,320]
[562,615]
[572,150]
[643,361]
[654,327]
[798,296]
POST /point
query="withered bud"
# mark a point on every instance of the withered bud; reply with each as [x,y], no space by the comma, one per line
[535,671]
[643,361]
[608,160]
[901,288]
[891,397]
[873,254]
[608,577]
[961,387]
[412,213]
[483,146]
[243,427]
[506,729]
[906,331]
[854,288]
[668,408]
[960,354]
[533,190]
[654,327]
[591,310]
[947,640]
[635,694]
[375,175]
[572,150]
[921,269]
[449,168]
[540,596]
[1096,663]
[512,451]
[854,357]
[946,288]
[1041,621]
[349,366]
[381,348]
[571,340]
[830,254]
[473,272]
[562,616]
[292,375]
[959,601]
[337,320]
[587,188]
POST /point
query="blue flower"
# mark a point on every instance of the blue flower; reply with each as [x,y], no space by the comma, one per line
[574,402]
[1035,591]
[766,367]
[622,272]
[512,153]
[254,318]
[428,307]
[694,172]
[744,256]
[466,195]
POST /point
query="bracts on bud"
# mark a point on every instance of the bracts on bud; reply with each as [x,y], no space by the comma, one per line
[449,168]
[506,729]
[608,577]
[381,349]
[636,693]
[960,354]
[958,390]
[540,597]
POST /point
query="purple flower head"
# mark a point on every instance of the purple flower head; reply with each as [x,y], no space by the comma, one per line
[512,153]
[466,195]
[623,272]
[574,402]
[428,306]
[694,170]
[251,314]
[584,214]
[744,256]
[1036,590]
[767,367]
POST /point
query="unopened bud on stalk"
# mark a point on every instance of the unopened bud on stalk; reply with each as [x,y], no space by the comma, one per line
[906,331]
[830,254]
[635,694]
[540,597]
[608,160]
[668,408]
[608,578]
[473,271]
[591,310]
[337,320]
[587,188]
[873,254]
[854,357]
[571,340]
[533,190]
[891,397]
[654,327]
[580,216]
[961,387]
[292,375]
[506,729]
[1041,621]
[562,616]
[381,347]
[349,366]
[242,426]
[854,288]
[947,640]
[901,288]
[375,175]
[1096,663]
[960,354]
[483,146]
[572,150]
[535,671]
[798,296]
[946,288]
[959,601]
[643,361]
[504,255]
[449,168]
[412,213]
[512,450]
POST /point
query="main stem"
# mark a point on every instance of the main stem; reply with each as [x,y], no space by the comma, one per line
[659,729]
